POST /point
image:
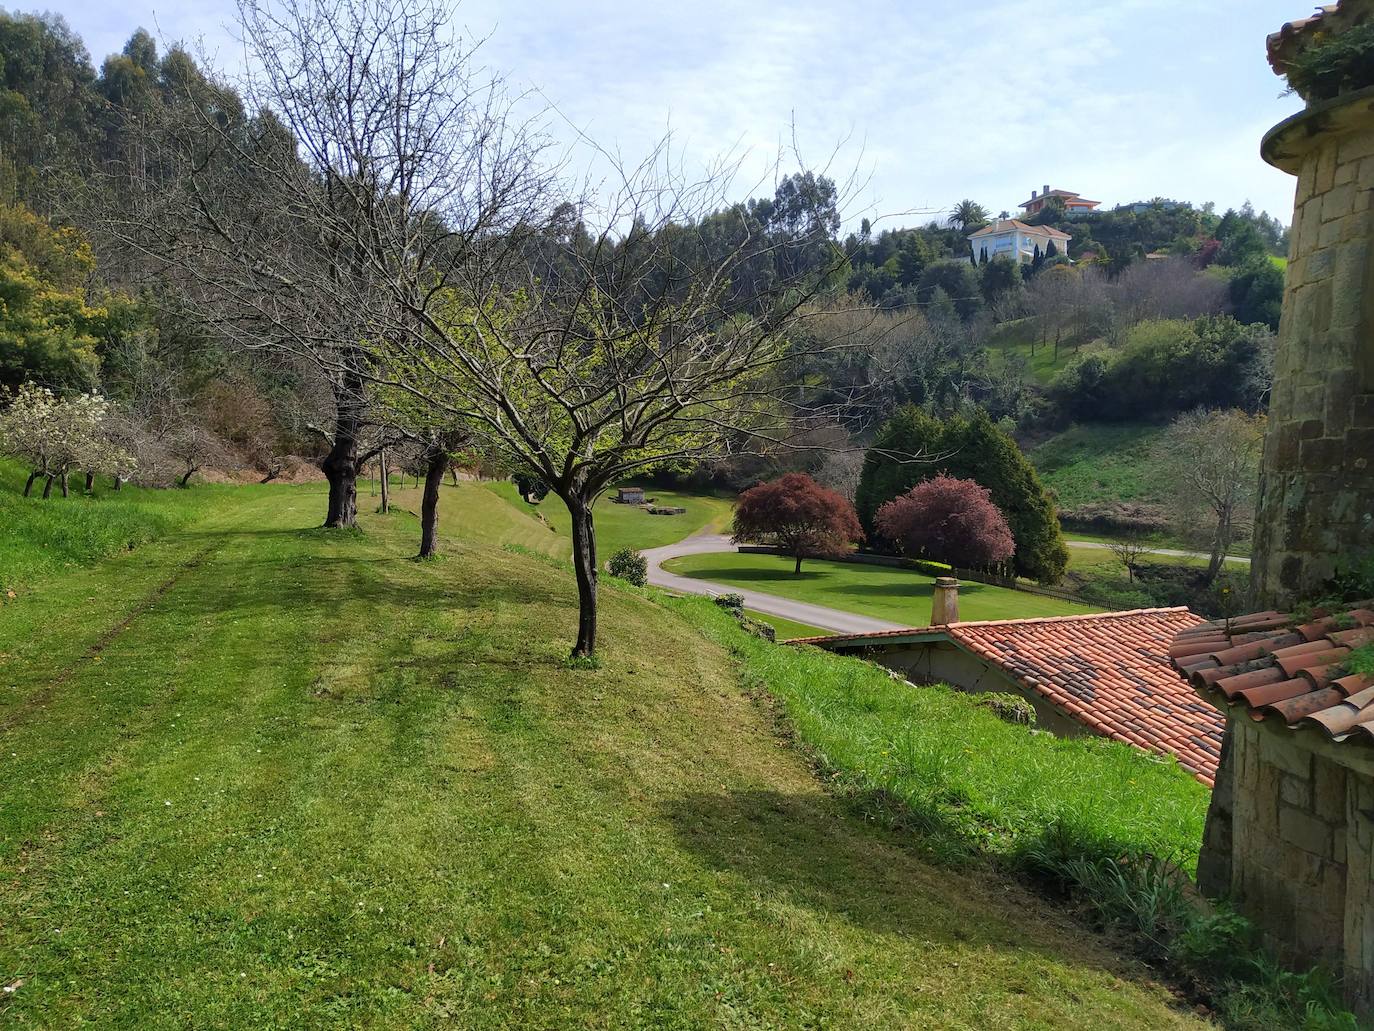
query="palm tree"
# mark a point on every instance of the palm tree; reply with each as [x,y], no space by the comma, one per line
[968,214]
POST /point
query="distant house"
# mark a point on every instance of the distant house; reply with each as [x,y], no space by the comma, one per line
[1073,202]
[1012,238]
[630,495]
[1105,673]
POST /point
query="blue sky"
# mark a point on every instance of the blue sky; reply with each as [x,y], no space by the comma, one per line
[931,102]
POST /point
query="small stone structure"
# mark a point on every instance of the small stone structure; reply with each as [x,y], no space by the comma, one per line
[1302,840]
[1290,831]
[1316,507]
[1103,673]
[629,495]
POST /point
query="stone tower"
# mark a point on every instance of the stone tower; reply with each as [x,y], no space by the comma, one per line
[1316,509]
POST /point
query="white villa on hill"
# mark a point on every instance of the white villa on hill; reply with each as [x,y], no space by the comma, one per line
[1012,238]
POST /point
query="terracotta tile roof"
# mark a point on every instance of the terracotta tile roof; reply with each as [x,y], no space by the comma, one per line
[1007,225]
[1109,671]
[1284,671]
[1294,35]
[1068,195]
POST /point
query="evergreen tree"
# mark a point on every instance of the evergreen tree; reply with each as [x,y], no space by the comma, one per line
[969,448]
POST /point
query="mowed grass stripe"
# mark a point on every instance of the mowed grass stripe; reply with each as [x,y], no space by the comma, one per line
[410,812]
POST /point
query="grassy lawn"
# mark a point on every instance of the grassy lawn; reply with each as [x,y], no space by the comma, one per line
[1081,559]
[259,774]
[899,595]
[627,526]
[1015,337]
[1100,462]
[42,537]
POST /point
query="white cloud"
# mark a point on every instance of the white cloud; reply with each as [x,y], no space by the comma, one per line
[1120,101]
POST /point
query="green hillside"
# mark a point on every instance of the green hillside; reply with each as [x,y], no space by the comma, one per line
[282,776]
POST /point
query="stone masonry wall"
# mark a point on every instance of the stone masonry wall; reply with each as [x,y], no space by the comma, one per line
[1289,844]
[1317,483]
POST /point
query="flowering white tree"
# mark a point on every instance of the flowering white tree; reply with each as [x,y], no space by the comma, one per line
[55,434]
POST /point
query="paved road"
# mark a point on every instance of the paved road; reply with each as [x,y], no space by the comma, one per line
[1175,553]
[835,620]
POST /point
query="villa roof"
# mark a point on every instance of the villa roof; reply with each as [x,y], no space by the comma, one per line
[1066,194]
[1009,225]
[1108,670]
[1283,670]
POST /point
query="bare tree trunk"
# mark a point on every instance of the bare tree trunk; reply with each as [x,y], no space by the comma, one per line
[429,506]
[584,566]
[66,489]
[90,481]
[187,478]
[386,483]
[28,486]
[797,570]
[340,466]
[118,482]
[1221,543]
[47,486]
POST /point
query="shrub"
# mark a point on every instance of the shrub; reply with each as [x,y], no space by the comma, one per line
[803,518]
[950,520]
[1341,64]
[1011,708]
[732,601]
[1169,365]
[631,566]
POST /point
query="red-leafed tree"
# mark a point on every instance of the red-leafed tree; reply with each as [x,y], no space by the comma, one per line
[949,520]
[804,519]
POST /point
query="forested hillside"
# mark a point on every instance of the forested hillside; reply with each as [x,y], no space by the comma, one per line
[118,277]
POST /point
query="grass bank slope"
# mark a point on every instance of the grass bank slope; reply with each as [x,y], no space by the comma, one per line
[259,774]
[883,592]
[38,536]
[1100,463]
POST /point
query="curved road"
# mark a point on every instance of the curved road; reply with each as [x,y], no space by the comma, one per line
[835,620]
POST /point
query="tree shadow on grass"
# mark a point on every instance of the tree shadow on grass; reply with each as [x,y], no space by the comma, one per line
[727,574]
[824,855]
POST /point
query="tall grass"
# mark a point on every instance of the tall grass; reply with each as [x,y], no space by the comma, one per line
[1114,828]
[40,536]
[976,784]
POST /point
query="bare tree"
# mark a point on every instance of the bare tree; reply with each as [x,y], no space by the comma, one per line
[1129,549]
[361,154]
[1209,462]
[380,211]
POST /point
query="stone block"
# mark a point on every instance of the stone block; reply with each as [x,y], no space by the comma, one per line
[1304,831]
[1337,202]
[1319,265]
[1295,791]
[1328,784]
[1326,168]
[1311,429]
[1277,749]
[1332,231]
[1355,147]
[1359,445]
[1325,453]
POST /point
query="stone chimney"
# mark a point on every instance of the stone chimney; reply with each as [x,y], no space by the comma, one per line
[1034,195]
[1047,188]
[944,603]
